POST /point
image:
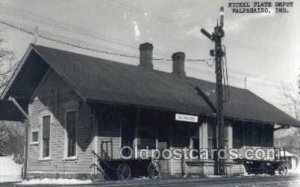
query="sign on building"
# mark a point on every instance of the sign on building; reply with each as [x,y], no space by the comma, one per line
[186,118]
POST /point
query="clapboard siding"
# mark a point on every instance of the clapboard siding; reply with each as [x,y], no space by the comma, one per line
[51,97]
[176,166]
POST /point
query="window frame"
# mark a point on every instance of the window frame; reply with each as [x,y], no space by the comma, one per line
[66,139]
[42,115]
[31,137]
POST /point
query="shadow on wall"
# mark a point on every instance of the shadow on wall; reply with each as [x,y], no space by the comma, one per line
[55,98]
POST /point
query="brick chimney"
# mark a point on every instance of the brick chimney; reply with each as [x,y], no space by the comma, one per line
[178,64]
[146,55]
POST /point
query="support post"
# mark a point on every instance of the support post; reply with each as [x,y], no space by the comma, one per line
[27,125]
[26,149]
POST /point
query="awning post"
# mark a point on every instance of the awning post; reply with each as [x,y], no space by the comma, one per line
[27,124]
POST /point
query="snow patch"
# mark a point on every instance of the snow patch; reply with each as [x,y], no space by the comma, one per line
[55,181]
[9,170]
[214,176]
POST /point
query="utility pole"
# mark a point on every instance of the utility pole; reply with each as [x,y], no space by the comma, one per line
[218,53]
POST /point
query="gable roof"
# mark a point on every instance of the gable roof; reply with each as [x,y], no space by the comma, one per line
[100,80]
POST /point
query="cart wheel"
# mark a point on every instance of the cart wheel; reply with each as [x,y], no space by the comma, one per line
[154,170]
[282,170]
[123,172]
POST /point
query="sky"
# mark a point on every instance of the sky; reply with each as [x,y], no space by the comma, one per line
[264,48]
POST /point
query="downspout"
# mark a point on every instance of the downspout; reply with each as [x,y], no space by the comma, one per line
[27,125]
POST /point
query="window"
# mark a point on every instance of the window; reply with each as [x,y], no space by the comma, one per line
[248,132]
[256,133]
[35,137]
[211,135]
[46,136]
[211,139]
[195,145]
[267,136]
[252,135]
[71,121]
[238,136]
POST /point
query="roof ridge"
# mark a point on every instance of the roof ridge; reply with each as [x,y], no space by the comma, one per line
[130,65]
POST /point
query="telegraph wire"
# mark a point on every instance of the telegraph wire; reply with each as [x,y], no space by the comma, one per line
[262,53]
[73,44]
[172,22]
[160,60]
[70,43]
[29,16]
[43,21]
[53,39]
[32,17]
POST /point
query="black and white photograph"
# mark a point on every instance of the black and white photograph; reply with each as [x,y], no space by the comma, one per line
[135,93]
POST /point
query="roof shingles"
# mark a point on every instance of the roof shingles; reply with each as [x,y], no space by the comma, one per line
[100,80]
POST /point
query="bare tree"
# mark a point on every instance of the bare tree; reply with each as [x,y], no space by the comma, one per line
[288,139]
[11,134]
[6,68]
[12,140]
[291,99]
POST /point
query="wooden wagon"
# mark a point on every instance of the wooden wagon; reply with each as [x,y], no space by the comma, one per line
[271,166]
[124,169]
